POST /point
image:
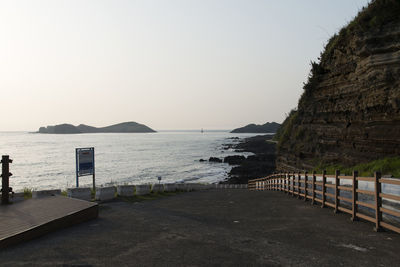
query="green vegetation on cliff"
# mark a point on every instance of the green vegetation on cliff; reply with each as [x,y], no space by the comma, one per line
[387,166]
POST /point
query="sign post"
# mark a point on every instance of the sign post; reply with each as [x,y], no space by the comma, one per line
[85,164]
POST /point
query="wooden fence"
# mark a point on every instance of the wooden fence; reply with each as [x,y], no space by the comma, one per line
[342,193]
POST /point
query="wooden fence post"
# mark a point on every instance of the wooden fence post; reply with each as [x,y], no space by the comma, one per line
[313,188]
[354,207]
[323,189]
[337,173]
[293,181]
[5,175]
[298,184]
[378,202]
[287,182]
[305,185]
[273,183]
[284,183]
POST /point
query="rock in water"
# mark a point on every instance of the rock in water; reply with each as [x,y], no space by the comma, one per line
[214,159]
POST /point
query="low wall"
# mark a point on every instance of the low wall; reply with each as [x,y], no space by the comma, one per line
[156,188]
[126,190]
[105,193]
[80,193]
[142,189]
[169,187]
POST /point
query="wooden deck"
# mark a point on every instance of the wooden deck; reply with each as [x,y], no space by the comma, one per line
[25,220]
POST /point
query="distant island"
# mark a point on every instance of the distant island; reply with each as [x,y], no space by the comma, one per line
[125,127]
[269,127]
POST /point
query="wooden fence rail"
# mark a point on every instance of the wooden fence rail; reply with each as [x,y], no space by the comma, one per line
[304,185]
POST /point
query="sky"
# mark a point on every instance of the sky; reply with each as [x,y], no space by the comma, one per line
[169,64]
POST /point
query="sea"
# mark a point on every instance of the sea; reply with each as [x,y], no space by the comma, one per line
[47,161]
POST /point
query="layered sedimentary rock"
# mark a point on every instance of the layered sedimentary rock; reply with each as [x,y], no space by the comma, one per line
[349,112]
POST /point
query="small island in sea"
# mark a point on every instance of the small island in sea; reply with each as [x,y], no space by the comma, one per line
[124,127]
[269,127]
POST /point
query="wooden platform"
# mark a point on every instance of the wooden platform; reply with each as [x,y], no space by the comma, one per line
[28,219]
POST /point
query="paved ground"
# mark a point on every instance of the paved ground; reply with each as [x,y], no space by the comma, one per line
[213,228]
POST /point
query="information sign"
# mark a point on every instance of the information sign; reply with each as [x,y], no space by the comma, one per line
[84,163]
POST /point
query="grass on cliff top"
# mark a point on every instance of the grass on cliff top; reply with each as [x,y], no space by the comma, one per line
[387,166]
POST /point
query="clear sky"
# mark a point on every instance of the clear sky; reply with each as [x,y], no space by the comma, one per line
[169,64]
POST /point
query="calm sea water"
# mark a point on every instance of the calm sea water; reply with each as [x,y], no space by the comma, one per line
[45,161]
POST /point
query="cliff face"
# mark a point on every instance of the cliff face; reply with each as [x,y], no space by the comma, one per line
[349,112]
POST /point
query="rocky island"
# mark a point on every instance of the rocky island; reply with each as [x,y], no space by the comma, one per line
[269,127]
[125,127]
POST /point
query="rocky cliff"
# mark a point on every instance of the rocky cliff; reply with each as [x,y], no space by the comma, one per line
[349,112]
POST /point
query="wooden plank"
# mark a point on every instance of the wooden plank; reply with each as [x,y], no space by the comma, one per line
[345,188]
[371,193]
[366,179]
[330,185]
[32,218]
[318,192]
[390,227]
[330,195]
[346,177]
[391,212]
[372,206]
[330,176]
[318,183]
[329,204]
[388,196]
[389,181]
[345,210]
[309,197]
[318,200]
[365,217]
[345,199]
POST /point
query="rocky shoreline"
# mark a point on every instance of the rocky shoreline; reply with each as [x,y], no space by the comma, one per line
[261,164]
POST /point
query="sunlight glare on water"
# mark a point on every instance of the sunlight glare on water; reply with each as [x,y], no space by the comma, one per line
[46,161]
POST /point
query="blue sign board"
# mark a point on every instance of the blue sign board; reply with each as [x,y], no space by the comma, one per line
[84,163]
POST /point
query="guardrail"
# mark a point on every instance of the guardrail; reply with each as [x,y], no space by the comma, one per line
[361,197]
